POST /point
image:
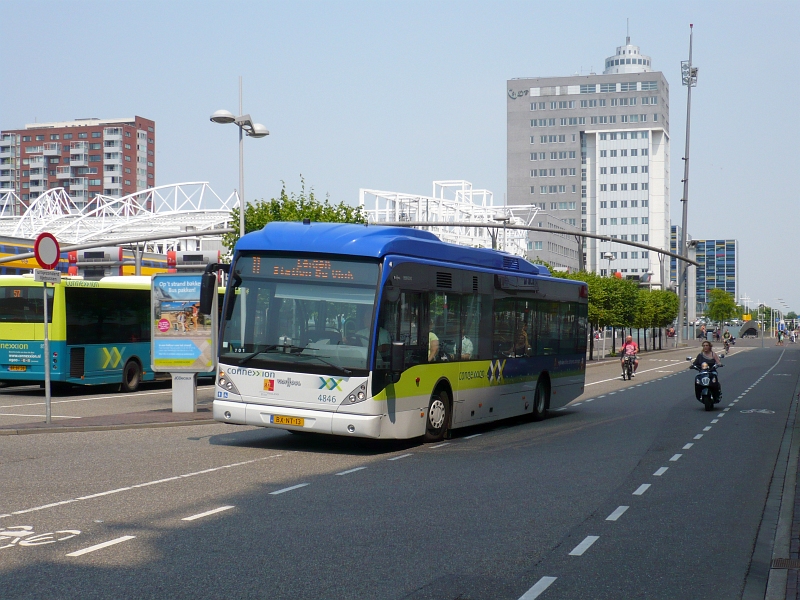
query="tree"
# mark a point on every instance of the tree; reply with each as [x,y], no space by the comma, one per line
[291,207]
[721,306]
[791,315]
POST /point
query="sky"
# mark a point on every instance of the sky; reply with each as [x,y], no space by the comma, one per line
[393,95]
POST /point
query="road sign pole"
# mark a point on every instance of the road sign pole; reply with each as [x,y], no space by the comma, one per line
[46,357]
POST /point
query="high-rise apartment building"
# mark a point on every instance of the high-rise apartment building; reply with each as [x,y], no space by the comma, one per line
[718,262]
[593,150]
[87,157]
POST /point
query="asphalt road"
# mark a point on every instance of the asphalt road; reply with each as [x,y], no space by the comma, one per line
[634,491]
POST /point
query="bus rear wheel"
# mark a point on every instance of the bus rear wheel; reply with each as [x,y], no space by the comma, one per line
[438,418]
[131,376]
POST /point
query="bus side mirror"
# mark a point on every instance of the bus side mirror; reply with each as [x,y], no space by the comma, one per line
[208,289]
[397,360]
[208,286]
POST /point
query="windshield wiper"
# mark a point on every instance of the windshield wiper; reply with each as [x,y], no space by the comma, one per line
[261,351]
[327,362]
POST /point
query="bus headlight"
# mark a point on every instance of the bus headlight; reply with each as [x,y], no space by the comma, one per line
[224,382]
[357,395]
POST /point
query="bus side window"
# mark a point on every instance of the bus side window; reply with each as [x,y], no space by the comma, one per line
[444,317]
[470,328]
[548,330]
[409,327]
[568,317]
[504,318]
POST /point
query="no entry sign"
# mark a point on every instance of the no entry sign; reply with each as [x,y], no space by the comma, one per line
[46,250]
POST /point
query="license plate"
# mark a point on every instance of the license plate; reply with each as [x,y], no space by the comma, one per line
[18,368]
[281,420]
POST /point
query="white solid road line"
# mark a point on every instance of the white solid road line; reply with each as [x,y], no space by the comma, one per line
[349,470]
[687,446]
[641,489]
[288,489]
[584,545]
[617,513]
[675,457]
[439,445]
[207,513]
[118,540]
[538,588]
[637,372]
[399,457]
[127,396]
[660,471]
[139,485]
[40,416]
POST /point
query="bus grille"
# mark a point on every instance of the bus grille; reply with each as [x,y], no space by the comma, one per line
[76,360]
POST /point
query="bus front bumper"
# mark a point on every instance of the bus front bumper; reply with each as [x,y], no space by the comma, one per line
[263,415]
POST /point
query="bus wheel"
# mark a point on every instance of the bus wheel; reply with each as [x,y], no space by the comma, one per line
[539,402]
[438,417]
[131,376]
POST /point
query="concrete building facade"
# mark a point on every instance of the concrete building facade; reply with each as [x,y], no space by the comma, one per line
[87,157]
[593,150]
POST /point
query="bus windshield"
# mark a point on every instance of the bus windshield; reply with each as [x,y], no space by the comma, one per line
[300,314]
[25,304]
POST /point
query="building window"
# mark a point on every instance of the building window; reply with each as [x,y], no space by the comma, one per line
[562,189]
[645,186]
[603,170]
[533,188]
[645,203]
[634,237]
[613,204]
[588,89]
[622,221]
[621,254]
[655,118]
[128,159]
[536,245]
[613,187]
[572,171]
[603,221]
[603,187]
[54,136]
[634,187]
[574,188]
[542,190]
[648,86]
[613,221]
[612,119]
[572,154]
[645,221]
[608,87]
[634,221]
[603,204]
[83,135]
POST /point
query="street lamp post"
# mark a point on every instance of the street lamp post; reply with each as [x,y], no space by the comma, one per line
[246,126]
[689,76]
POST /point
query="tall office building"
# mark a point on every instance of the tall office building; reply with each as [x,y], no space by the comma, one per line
[593,150]
[718,262]
[112,157]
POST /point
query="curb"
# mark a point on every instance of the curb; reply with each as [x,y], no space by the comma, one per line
[38,430]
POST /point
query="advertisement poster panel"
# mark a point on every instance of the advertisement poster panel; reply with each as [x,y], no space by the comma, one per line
[183,339]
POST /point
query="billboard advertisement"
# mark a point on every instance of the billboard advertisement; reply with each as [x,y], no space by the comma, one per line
[183,339]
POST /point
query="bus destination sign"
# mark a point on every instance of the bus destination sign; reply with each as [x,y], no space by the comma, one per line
[310,269]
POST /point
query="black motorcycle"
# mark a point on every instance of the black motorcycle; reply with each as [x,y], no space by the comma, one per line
[628,364]
[706,383]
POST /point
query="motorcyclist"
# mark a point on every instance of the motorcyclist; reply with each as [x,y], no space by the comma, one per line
[629,348]
[710,358]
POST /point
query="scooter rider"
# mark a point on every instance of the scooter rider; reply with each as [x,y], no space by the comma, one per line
[711,358]
[628,348]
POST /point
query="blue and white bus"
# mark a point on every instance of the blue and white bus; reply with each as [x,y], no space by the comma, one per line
[387,332]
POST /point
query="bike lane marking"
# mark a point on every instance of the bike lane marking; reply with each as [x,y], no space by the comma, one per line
[207,513]
[96,547]
[637,372]
[139,485]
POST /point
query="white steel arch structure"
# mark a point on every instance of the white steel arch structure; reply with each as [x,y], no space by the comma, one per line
[179,208]
[453,201]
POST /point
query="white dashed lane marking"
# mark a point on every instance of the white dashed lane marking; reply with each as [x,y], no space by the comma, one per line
[584,545]
[675,457]
[687,446]
[641,489]
[207,513]
[402,456]
[289,489]
[349,470]
[660,471]
[620,510]
[538,588]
